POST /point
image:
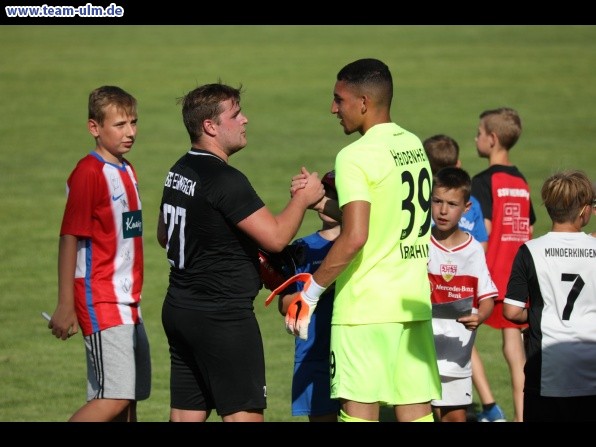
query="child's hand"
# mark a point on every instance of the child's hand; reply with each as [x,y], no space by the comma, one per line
[63,323]
[471,322]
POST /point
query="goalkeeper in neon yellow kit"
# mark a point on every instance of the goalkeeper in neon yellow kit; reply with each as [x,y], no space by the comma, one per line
[382,347]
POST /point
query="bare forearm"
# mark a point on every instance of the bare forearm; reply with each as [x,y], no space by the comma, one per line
[63,322]
[274,232]
[339,257]
[67,258]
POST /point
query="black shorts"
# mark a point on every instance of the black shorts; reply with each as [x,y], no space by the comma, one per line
[216,360]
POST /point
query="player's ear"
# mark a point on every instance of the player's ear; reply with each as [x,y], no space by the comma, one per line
[93,127]
[468,206]
[209,127]
[458,163]
[493,138]
[364,106]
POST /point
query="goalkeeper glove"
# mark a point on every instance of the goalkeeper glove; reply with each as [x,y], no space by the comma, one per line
[302,306]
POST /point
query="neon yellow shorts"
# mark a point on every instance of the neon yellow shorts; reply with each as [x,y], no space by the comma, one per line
[390,363]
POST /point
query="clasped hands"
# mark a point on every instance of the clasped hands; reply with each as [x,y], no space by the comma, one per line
[299,181]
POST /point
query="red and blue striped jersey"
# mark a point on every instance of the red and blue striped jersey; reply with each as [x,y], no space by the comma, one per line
[103,210]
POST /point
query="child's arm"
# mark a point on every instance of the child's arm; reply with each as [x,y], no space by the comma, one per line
[64,322]
[485,308]
[329,207]
[515,314]
[472,321]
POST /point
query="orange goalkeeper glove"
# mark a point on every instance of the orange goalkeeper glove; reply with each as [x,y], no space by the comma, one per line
[302,305]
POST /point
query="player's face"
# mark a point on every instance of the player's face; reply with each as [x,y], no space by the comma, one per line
[483,141]
[447,207]
[116,135]
[231,129]
[348,106]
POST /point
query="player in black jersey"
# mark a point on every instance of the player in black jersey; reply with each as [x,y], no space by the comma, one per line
[212,223]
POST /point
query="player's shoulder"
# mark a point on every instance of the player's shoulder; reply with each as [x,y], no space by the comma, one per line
[91,159]
[579,238]
[227,179]
[391,132]
[88,168]
[484,174]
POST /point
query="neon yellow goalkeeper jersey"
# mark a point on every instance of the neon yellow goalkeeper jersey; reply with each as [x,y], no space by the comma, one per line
[387,281]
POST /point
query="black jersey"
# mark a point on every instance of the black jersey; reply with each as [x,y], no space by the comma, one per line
[214,265]
[556,274]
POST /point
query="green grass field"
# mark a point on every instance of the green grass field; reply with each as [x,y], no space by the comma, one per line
[444,77]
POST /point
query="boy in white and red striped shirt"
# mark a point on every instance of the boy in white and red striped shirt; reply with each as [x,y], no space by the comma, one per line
[462,292]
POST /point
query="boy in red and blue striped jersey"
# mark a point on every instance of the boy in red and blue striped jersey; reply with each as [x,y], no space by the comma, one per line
[100,264]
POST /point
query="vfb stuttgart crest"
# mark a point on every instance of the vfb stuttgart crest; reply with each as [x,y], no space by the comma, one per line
[448,271]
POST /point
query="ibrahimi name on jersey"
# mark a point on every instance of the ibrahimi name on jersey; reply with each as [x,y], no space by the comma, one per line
[457,276]
[103,209]
[556,273]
